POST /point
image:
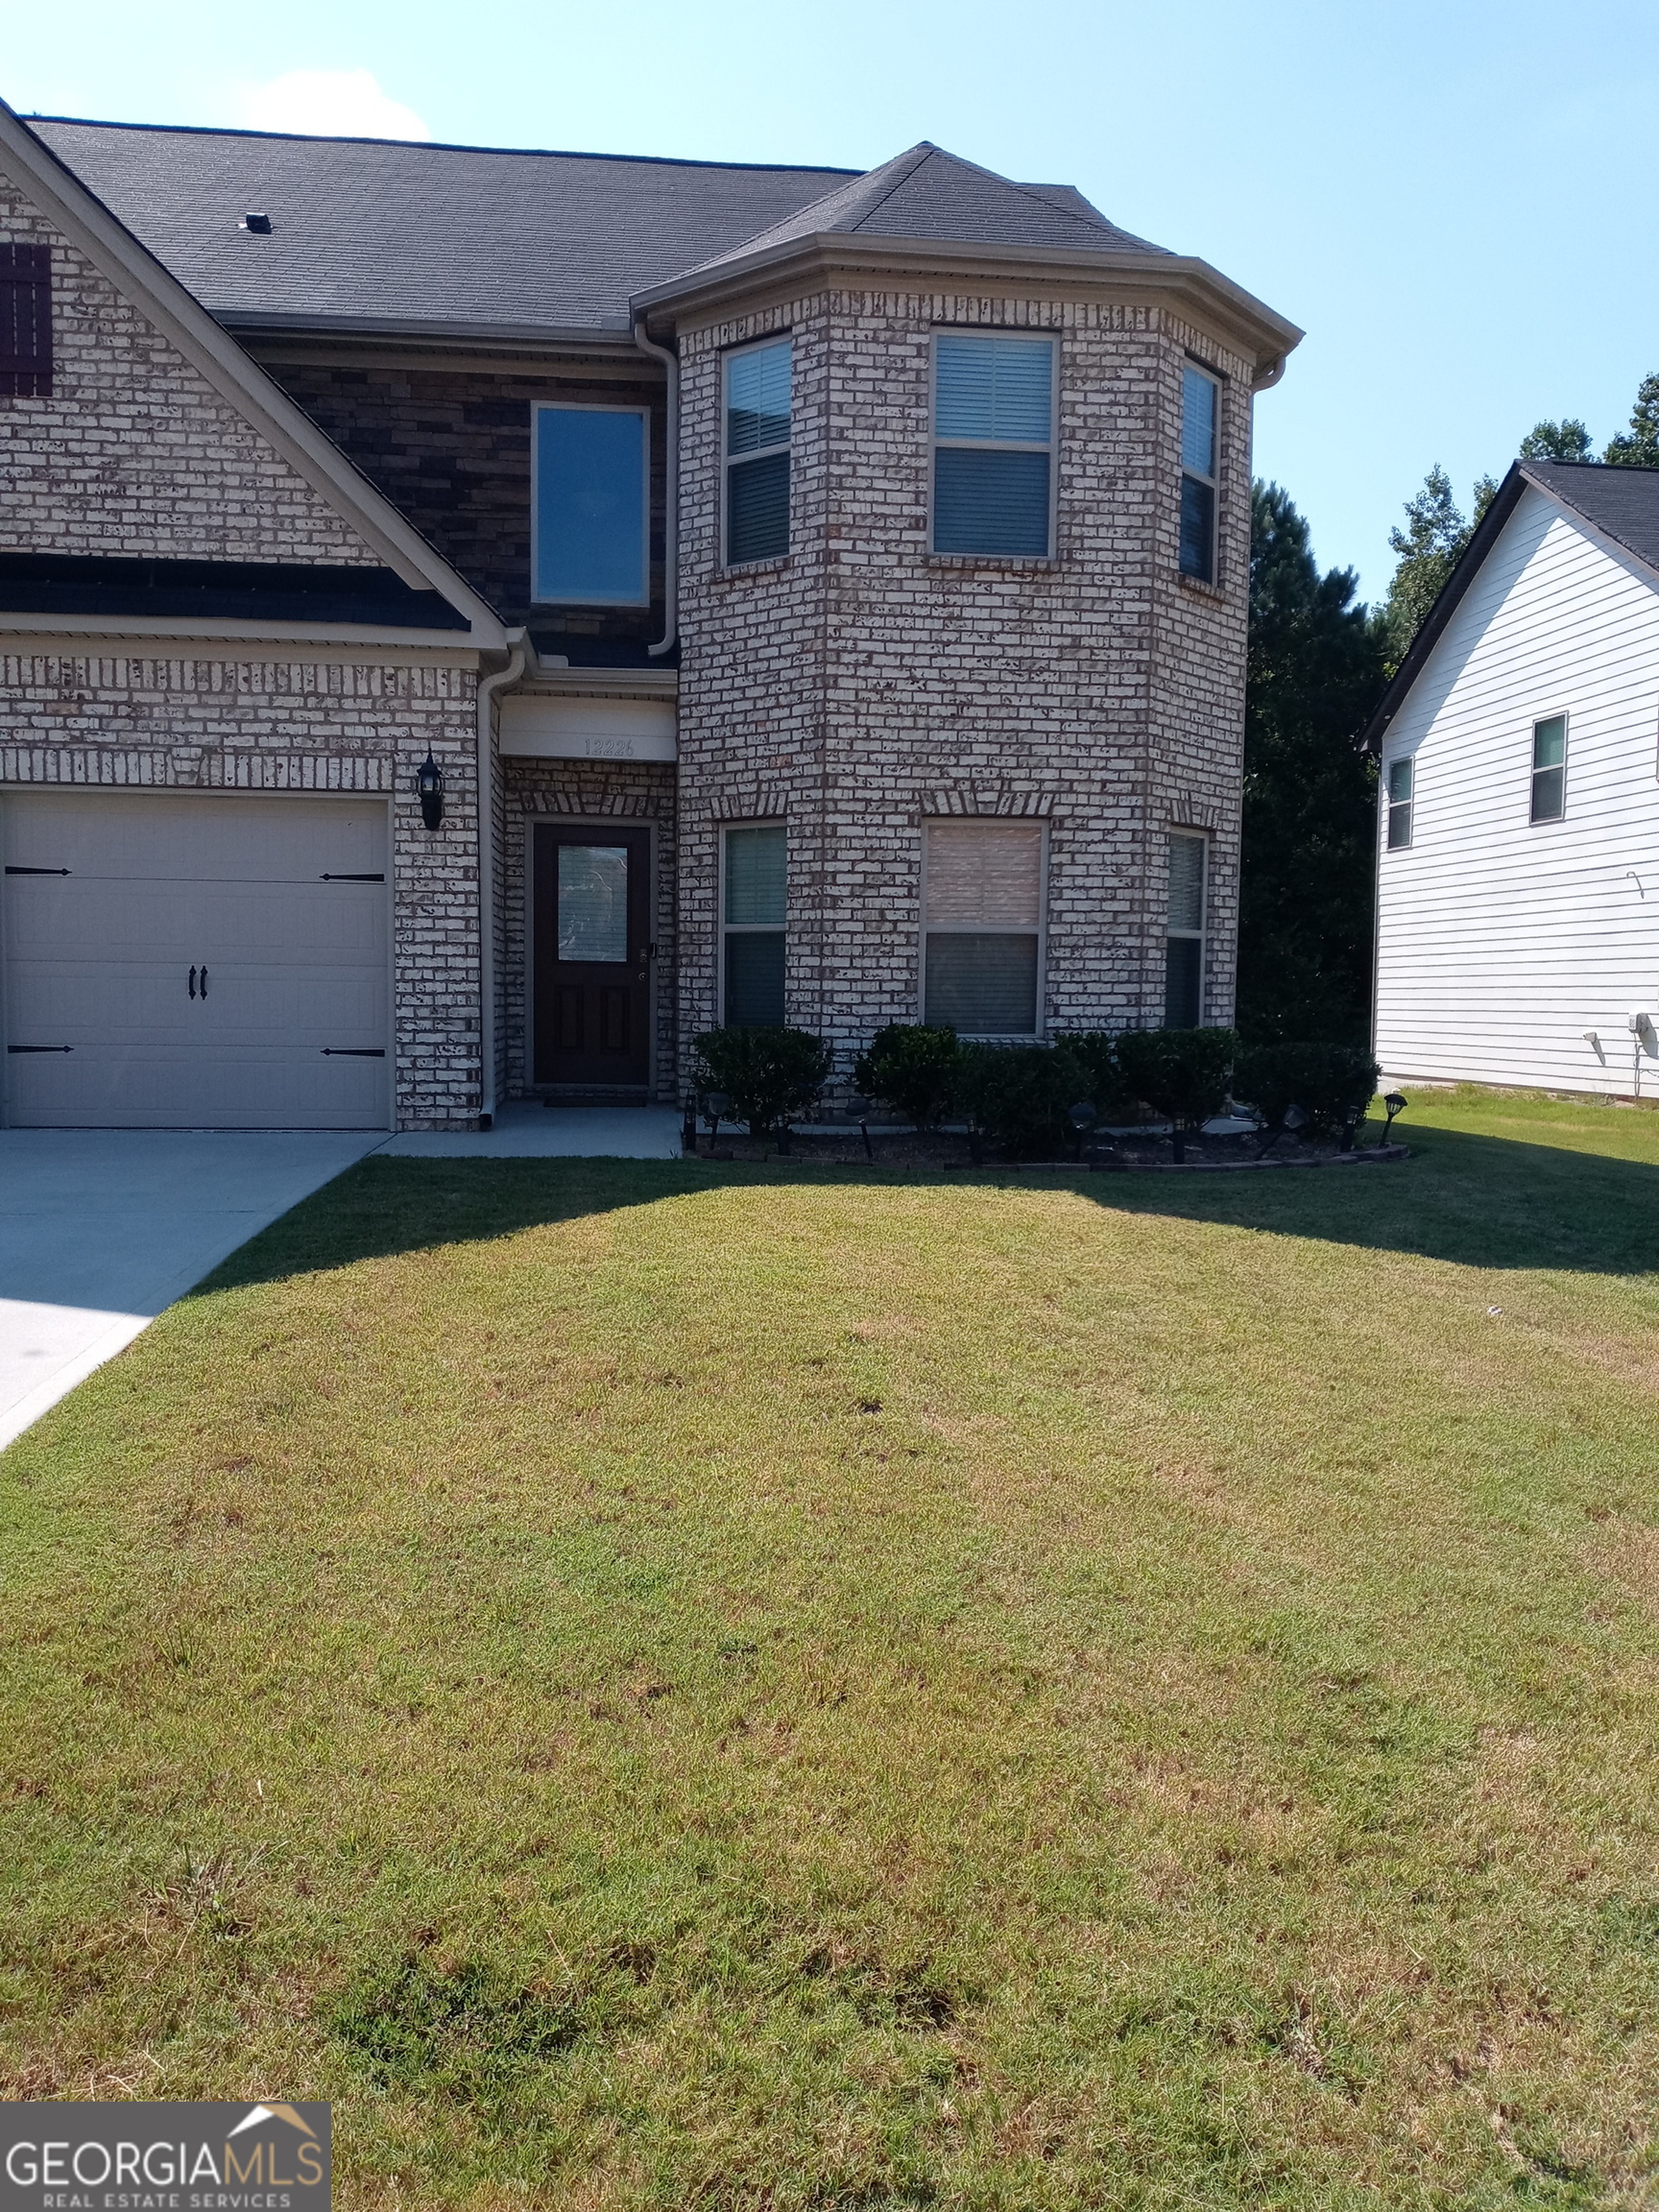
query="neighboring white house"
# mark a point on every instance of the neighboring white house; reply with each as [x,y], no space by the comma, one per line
[1517,863]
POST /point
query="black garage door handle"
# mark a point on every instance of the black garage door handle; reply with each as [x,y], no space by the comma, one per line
[39,1048]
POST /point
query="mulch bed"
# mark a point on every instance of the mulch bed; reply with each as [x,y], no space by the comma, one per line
[1119,1155]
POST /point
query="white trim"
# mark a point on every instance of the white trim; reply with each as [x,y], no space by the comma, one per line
[541,407]
[1050,338]
[216,630]
[729,460]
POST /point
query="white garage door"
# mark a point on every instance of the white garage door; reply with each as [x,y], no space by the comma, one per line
[194,962]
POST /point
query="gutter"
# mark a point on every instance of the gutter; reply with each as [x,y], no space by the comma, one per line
[487,690]
[670,491]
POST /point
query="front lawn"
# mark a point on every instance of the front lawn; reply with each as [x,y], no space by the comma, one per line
[765,1688]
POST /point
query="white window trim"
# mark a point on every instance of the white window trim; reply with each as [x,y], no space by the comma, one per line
[979,928]
[996,444]
[1552,715]
[1214,579]
[1389,804]
[1202,932]
[730,461]
[543,407]
[747,928]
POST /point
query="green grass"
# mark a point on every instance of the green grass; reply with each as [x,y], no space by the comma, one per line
[667,1685]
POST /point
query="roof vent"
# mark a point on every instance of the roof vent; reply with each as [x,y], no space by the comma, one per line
[260,225]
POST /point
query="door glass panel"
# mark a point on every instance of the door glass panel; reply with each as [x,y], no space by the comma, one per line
[593,903]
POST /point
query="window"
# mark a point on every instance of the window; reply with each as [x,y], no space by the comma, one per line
[992,444]
[1400,779]
[1549,769]
[25,321]
[592,481]
[752,926]
[982,940]
[757,453]
[1184,949]
[1200,410]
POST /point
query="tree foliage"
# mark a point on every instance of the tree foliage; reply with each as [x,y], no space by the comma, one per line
[1428,548]
[1317,667]
[1638,448]
[1565,441]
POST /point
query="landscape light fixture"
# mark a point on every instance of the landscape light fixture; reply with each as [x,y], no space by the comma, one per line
[1396,1102]
[1294,1118]
[716,1105]
[429,783]
[1082,1118]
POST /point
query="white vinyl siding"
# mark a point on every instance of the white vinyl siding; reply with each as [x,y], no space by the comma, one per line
[1503,947]
[983,952]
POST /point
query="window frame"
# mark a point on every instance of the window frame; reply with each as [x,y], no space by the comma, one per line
[1392,804]
[1211,582]
[541,407]
[1535,820]
[780,823]
[730,461]
[1037,1033]
[1200,935]
[979,331]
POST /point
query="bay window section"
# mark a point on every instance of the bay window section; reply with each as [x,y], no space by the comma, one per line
[982,937]
[756,452]
[752,890]
[1200,410]
[1184,943]
[590,519]
[992,444]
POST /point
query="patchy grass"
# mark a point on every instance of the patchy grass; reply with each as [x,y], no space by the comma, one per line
[660,1685]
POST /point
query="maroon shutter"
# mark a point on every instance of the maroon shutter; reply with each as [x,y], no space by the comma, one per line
[26,322]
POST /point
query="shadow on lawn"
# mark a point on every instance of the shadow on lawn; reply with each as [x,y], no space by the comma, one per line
[1481,1201]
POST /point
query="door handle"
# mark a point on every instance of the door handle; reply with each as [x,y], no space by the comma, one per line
[204,978]
[192,982]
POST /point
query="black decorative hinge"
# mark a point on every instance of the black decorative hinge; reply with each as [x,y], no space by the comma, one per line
[11,870]
[350,878]
[353,1051]
[39,1048]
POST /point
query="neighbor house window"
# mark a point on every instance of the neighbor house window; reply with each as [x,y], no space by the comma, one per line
[1400,782]
[757,453]
[992,444]
[1200,413]
[1549,769]
[25,321]
[1184,948]
[593,483]
[752,894]
[984,926]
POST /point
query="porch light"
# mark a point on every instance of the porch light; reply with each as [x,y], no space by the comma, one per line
[429,783]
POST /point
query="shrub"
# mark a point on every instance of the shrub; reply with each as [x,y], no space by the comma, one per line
[1093,1054]
[1019,1096]
[913,1069]
[1181,1073]
[1333,1084]
[767,1073]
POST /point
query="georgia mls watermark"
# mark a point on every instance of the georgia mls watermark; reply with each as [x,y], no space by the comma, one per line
[108,2157]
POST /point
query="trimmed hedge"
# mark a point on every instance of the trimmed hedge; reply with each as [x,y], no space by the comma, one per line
[1333,1084]
[913,1069]
[767,1073]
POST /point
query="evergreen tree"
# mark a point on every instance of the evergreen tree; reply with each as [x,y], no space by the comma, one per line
[1317,667]
[1638,448]
[1429,547]
[1564,441]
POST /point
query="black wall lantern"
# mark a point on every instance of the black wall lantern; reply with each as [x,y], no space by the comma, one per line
[429,783]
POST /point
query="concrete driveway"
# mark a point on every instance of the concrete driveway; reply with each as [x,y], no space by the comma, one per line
[102,1228]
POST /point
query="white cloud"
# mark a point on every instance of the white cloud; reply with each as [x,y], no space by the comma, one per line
[329,104]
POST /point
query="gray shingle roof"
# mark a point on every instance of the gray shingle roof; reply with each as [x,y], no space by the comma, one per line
[1623,503]
[386,233]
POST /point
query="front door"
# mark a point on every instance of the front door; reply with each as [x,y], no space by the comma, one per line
[591,1016]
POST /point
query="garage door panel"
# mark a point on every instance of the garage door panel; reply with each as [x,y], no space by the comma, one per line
[102,960]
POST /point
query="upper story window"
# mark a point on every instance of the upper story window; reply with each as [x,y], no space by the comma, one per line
[1200,442]
[25,321]
[752,894]
[992,444]
[590,534]
[756,463]
[982,926]
[1549,769]
[1400,784]
[1183,944]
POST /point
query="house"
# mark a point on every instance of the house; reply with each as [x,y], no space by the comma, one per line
[474,619]
[1518,849]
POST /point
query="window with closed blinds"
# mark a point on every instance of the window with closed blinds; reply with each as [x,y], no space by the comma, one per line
[754,890]
[983,928]
[25,321]
[1200,441]
[758,401]
[993,443]
[1184,944]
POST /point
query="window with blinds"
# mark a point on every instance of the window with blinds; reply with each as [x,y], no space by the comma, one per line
[1200,439]
[1184,944]
[591,518]
[993,443]
[756,452]
[983,928]
[753,885]
[25,321]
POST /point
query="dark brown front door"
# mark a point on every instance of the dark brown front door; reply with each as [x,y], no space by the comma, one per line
[592,958]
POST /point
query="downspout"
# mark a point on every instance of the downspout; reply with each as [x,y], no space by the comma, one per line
[487,692]
[670,491]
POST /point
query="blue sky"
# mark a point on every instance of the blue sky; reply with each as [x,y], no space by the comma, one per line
[1453,200]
